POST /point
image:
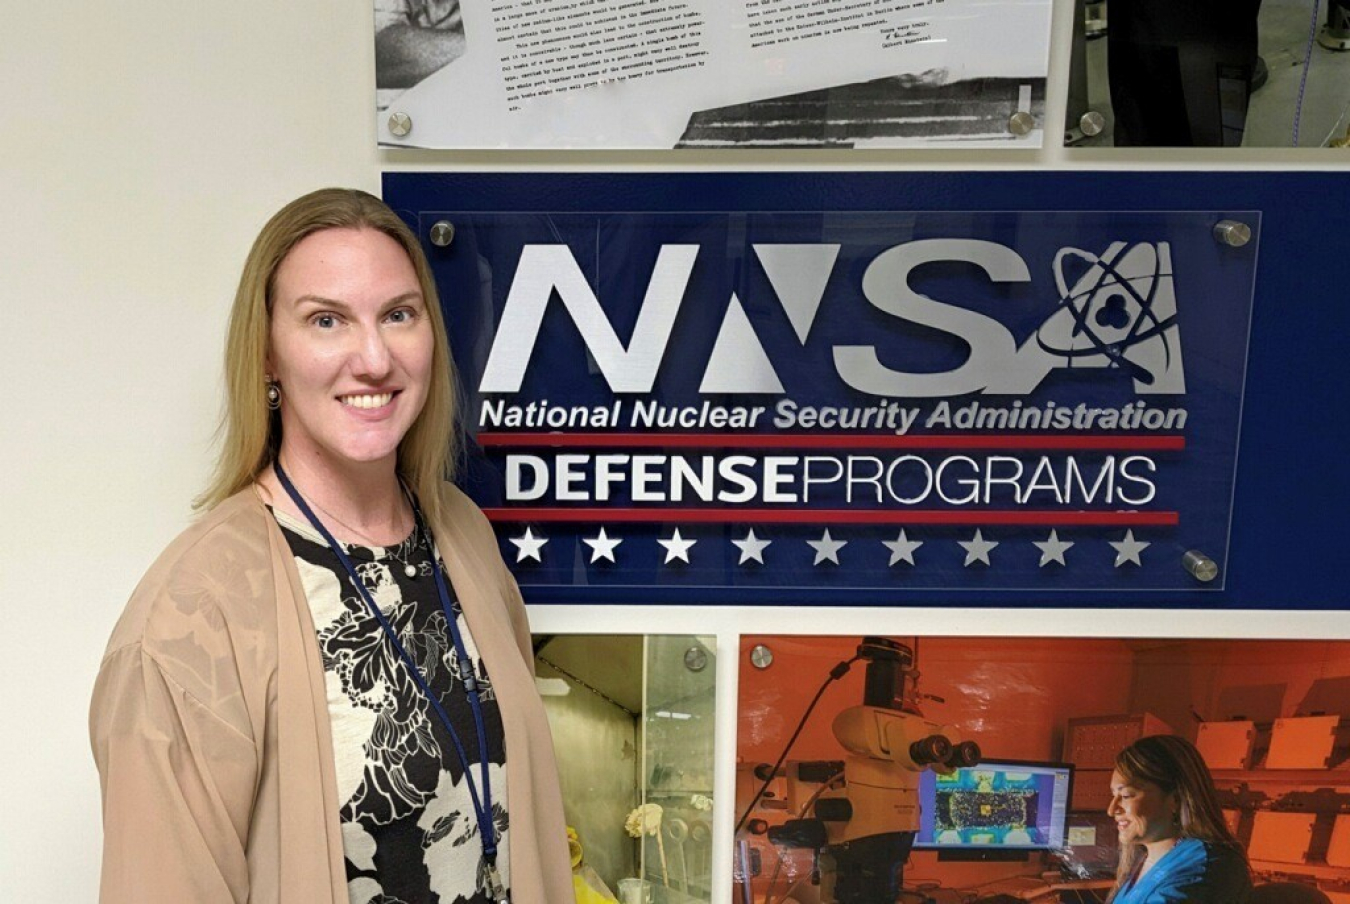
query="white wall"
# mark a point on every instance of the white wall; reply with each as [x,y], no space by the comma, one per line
[142,146]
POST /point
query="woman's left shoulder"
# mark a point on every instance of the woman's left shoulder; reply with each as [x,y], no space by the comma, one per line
[455,501]
[1227,871]
[465,522]
[457,509]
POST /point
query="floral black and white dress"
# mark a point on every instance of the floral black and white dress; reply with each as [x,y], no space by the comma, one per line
[409,832]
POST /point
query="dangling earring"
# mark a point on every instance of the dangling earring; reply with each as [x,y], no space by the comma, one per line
[273,394]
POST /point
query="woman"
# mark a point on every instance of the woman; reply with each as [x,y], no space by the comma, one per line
[1174,845]
[298,704]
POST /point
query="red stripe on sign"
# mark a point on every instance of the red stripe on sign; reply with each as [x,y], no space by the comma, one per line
[832,516]
[828,441]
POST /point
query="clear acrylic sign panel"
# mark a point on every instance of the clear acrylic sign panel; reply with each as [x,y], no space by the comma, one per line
[811,404]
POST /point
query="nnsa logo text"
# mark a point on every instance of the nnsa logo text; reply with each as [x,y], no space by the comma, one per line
[1120,313]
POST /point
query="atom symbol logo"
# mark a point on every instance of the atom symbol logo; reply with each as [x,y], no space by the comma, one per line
[1114,306]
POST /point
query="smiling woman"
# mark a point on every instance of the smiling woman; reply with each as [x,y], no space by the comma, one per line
[1174,845]
[312,694]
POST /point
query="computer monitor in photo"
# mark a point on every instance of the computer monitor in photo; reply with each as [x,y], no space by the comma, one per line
[1007,805]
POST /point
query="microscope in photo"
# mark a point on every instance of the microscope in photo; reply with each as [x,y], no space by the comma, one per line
[859,816]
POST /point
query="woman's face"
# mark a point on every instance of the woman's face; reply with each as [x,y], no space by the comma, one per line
[351,347]
[1143,812]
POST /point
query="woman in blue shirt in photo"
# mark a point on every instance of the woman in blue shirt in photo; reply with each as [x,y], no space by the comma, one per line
[1174,845]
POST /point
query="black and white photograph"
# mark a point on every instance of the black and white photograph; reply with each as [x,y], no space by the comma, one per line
[413,40]
[905,110]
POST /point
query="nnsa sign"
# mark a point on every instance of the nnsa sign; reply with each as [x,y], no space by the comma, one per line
[848,400]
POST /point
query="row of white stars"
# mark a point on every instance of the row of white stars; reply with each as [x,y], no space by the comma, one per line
[827,548]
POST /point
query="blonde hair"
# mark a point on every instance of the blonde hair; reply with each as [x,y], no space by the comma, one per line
[250,433]
[1172,763]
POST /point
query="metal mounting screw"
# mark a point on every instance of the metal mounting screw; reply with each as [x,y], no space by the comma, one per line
[1232,233]
[695,659]
[1201,567]
[400,124]
[1021,123]
[442,233]
[761,657]
[1092,123]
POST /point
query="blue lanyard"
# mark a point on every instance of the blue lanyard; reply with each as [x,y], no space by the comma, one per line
[482,809]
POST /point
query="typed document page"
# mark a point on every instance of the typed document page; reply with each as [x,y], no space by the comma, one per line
[651,73]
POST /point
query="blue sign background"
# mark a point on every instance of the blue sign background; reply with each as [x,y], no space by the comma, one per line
[1213,320]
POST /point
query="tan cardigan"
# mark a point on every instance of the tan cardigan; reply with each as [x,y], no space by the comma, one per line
[210,724]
